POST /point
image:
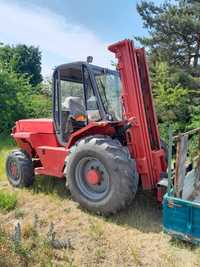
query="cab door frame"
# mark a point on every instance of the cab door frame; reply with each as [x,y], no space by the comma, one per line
[57,108]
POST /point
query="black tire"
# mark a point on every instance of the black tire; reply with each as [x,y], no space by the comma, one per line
[24,174]
[119,168]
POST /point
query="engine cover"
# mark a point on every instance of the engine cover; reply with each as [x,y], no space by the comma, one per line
[35,126]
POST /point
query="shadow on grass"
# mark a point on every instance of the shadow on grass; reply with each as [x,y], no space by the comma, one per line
[175,241]
[183,244]
[50,185]
[143,214]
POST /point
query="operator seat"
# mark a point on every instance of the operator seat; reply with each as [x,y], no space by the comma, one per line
[71,108]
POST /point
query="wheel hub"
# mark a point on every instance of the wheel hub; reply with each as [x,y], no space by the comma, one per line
[93,177]
[13,168]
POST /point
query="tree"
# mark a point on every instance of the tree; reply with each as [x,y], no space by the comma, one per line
[40,106]
[171,101]
[15,95]
[173,47]
[23,60]
[17,100]
[46,86]
[174,31]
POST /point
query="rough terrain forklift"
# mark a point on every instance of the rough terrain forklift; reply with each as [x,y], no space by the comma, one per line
[103,138]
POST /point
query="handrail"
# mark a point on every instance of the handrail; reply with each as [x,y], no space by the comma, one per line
[170,144]
[186,133]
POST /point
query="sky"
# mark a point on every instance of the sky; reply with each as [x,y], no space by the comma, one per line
[69,30]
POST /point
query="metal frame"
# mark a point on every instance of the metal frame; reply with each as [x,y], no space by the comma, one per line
[170,144]
[57,96]
[143,139]
[100,105]
[175,188]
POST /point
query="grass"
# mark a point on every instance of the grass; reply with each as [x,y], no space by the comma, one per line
[33,250]
[51,186]
[8,258]
[136,257]
[133,237]
[95,230]
[100,255]
[8,201]
[19,213]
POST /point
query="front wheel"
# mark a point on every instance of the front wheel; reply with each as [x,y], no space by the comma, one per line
[101,175]
[19,169]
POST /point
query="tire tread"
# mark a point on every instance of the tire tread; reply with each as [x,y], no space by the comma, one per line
[123,167]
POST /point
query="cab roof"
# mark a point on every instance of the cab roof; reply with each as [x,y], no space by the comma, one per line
[73,71]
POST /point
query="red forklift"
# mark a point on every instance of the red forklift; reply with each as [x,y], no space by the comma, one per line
[103,138]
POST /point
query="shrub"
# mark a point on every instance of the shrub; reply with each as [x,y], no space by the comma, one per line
[18,100]
[8,201]
[40,106]
[171,100]
[14,99]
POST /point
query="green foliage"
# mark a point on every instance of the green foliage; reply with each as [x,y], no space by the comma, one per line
[171,101]
[15,95]
[174,30]
[40,106]
[17,101]
[195,120]
[23,60]
[21,250]
[21,93]
[46,86]
[8,201]
[174,55]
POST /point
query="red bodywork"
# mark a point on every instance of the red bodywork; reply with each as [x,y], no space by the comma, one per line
[38,137]
[143,139]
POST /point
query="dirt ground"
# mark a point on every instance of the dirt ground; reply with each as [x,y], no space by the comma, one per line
[131,238]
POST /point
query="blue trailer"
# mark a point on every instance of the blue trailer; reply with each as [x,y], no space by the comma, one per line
[181,218]
[181,214]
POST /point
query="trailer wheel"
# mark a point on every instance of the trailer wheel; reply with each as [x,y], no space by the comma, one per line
[101,175]
[19,169]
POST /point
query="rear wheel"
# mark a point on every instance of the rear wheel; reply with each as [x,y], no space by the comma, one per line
[19,169]
[101,175]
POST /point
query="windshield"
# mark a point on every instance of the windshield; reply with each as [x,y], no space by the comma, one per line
[109,86]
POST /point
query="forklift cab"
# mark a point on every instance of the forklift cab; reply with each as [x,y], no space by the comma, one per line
[82,93]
